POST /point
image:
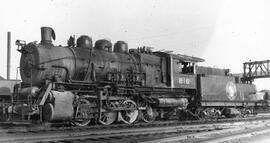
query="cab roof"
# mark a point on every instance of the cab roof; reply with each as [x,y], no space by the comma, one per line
[186,58]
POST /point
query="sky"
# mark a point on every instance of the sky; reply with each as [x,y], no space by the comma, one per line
[225,33]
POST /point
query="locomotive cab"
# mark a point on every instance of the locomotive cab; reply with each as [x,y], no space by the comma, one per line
[183,71]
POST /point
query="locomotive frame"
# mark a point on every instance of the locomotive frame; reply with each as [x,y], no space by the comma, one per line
[83,84]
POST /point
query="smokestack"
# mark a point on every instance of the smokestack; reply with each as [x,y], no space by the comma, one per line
[47,34]
[8,54]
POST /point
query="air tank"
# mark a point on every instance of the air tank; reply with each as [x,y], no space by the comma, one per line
[24,93]
[172,102]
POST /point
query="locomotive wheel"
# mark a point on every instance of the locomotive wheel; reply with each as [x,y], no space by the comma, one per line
[81,116]
[149,114]
[107,118]
[209,113]
[129,116]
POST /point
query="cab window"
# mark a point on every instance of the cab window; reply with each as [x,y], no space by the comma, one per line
[187,67]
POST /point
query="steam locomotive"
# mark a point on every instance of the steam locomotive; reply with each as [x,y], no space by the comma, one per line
[106,83]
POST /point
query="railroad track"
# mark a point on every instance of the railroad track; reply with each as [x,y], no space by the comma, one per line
[98,135]
[219,136]
[15,128]
[139,132]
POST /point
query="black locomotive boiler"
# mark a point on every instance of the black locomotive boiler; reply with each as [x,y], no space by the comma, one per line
[106,83]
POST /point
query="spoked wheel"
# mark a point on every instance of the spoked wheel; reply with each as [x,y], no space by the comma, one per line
[246,112]
[81,116]
[107,118]
[129,116]
[209,113]
[149,114]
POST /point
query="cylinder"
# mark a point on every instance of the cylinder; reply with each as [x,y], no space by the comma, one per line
[61,108]
[8,54]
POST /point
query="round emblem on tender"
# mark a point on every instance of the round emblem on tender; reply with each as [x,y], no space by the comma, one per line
[231,90]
